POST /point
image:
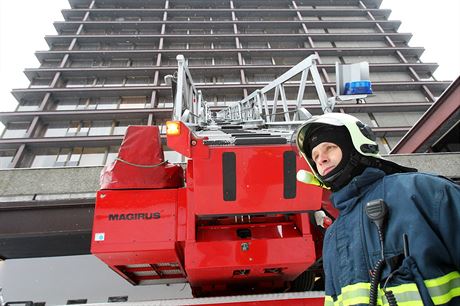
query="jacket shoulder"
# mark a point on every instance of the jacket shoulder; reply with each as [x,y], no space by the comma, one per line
[417,178]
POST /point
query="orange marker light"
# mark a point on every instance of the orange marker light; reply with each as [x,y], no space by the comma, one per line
[172,128]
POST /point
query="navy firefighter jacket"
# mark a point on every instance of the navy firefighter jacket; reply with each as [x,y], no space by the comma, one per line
[424,207]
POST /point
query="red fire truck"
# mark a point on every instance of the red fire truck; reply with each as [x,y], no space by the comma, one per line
[231,218]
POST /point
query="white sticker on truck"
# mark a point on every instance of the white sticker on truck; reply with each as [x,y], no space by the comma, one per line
[99,237]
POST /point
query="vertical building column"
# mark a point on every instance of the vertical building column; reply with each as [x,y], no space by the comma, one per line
[156,78]
[401,57]
[32,127]
[238,46]
[312,45]
[18,156]
[45,102]
[36,122]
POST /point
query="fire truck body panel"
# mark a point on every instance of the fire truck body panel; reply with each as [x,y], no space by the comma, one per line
[232,217]
[258,234]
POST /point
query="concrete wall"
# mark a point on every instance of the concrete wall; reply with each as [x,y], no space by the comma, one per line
[75,180]
[17,182]
[445,164]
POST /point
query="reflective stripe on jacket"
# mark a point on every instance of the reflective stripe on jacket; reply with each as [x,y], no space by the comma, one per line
[424,207]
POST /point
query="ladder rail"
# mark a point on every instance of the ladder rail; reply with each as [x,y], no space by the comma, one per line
[257,105]
[268,105]
[189,105]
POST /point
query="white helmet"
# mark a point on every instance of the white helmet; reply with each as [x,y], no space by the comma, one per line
[361,135]
[364,149]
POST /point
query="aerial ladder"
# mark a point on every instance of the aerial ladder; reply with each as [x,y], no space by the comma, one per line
[231,218]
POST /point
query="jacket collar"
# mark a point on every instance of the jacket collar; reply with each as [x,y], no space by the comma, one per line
[347,197]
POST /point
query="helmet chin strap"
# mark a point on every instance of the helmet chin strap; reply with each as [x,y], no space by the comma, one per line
[352,167]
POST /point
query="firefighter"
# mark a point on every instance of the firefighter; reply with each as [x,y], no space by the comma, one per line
[396,239]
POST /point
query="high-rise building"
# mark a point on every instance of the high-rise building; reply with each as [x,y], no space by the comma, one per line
[105,70]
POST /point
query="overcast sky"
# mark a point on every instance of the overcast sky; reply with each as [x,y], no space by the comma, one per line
[24,23]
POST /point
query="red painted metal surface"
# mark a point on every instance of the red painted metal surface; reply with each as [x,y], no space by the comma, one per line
[141,163]
[259,172]
[135,230]
[259,241]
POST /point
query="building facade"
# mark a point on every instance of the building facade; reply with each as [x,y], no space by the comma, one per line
[105,70]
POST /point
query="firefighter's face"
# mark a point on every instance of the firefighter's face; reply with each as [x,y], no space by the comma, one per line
[327,156]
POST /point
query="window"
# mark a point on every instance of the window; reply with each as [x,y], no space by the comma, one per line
[133,102]
[225,60]
[40,83]
[260,78]
[67,32]
[100,128]
[85,103]
[146,46]
[125,31]
[16,130]
[50,63]
[28,106]
[56,129]
[68,157]
[73,128]
[255,44]
[62,159]
[198,45]
[166,101]
[95,32]
[122,125]
[114,82]
[101,18]
[138,81]
[6,157]
[141,62]
[44,158]
[80,82]
[84,128]
[119,46]
[176,45]
[89,46]
[92,157]
[112,155]
[74,18]
[263,60]
[224,45]
[199,61]
[78,128]
[119,62]
[66,104]
[81,63]
[59,46]
[105,102]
